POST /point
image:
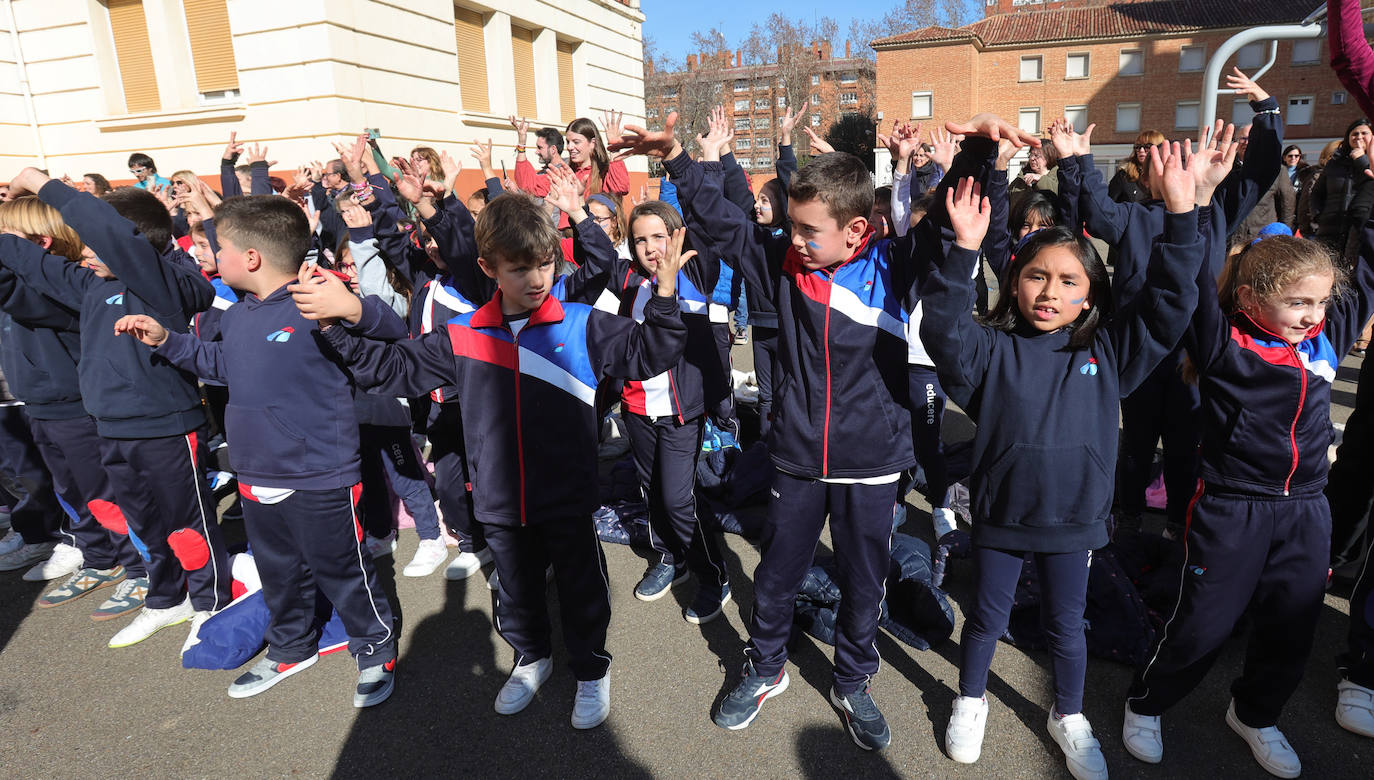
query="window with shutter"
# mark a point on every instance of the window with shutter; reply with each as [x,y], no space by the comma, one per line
[472,59]
[129,28]
[567,102]
[522,53]
[212,46]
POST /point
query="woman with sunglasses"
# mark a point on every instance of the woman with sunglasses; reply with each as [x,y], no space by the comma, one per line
[1131,184]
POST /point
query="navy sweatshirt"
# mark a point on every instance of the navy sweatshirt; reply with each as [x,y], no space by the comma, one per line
[40,342]
[1266,404]
[1047,414]
[290,420]
[130,394]
[530,426]
[840,394]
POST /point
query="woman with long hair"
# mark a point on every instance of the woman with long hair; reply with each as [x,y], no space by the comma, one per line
[1131,184]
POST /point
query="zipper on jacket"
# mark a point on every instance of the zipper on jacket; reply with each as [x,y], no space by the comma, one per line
[825,435]
[519,427]
[672,385]
[1293,429]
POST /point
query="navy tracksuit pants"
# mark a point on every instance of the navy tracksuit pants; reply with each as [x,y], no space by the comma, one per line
[764,342]
[861,532]
[1348,487]
[521,555]
[665,454]
[1267,554]
[388,456]
[71,448]
[1163,407]
[451,481]
[1064,595]
[927,401]
[35,514]
[161,493]
[309,542]
[1357,665]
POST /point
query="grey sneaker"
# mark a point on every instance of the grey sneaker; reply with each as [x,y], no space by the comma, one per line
[375,684]
[741,706]
[26,555]
[266,673]
[79,584]
[128,597]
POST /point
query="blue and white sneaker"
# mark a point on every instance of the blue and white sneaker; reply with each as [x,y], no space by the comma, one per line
[657,580]
[866,724]
[739,708]
[709,604]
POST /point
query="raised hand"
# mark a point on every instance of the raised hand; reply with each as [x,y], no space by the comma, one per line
[482,154]
[522,129]
[1177,183]
[163,195]
[717,139]
[945,145]
[212,198]
[995,127]
[1061,136]
[356,217]
[660,144]
[451,170]
[672,261]
[233,149]
[408,183]
[969,213]
[789,121]
[612,120]
[818,144]
[142,327]
[316,171]
[324,296]
[1243,85]
[908,139]
[27,182]
[1211,163]
[892,141]
[257,153]
[565,192]
[351,155]
[642,197]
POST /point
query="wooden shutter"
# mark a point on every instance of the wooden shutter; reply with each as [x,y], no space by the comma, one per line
[135,54]
[212,47]
[522,51]
[567,102]
[472,59]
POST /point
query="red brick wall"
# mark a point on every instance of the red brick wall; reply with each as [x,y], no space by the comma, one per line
[965,81]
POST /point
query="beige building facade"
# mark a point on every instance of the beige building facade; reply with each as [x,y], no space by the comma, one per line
[83,83]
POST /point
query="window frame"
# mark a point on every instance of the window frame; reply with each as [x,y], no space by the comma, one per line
[1039,60]
[929,97]
[1121,56]
[1087,65]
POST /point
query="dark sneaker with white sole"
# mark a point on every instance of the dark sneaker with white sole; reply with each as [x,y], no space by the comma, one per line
[867,726]
[375,684]
[266,673]
[739,708]
[657,580]
[708,605]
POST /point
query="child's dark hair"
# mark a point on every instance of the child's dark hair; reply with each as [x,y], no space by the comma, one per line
[1006,315]
[273,225]
[146,212]
[773,189]
[920,206]
[1033,202]
[840,181]
[516,227]
[480,195]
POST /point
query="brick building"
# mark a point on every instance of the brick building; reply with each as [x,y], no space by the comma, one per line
[1126,65]
[758,95]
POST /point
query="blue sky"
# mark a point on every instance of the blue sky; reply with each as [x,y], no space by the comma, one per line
[671,22]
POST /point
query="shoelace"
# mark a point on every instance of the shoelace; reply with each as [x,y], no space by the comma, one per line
[123,589]
[586,690]
[861,704]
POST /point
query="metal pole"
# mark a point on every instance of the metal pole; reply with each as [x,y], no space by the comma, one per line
[1211,78]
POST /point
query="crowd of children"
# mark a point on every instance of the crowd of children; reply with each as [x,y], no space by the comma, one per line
[318,328]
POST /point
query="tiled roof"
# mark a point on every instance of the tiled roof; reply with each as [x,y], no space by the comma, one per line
[1112,19]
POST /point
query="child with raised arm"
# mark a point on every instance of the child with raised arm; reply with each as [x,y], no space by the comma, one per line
[1263,346]
[525,369]
[1041,484]
[841,433]
[294,448]
[147,412]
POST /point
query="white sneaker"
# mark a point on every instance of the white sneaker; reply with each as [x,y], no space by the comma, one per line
[197,620]
[1143,736]
[1082,751]
[65,560]
[382,547]
[942,518]
[1355,708]
[964,734]
[467,564]
[428,556]
[1268,745]
[25,555]
[12,541]
[525,680]
[149,621]
[592,703]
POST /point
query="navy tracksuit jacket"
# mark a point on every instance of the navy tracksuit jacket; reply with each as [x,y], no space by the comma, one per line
[291,423]
[146,411]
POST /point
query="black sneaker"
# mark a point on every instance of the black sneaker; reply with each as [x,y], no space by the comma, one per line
[709,604]
[657,580]
[866,724]
[741,706]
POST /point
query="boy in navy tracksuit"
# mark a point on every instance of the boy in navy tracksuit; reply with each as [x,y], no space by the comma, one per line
[146,411]
[295,450]
[40,351]
[841,433]
[525,368]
